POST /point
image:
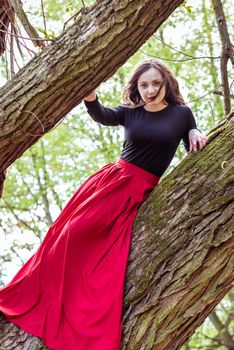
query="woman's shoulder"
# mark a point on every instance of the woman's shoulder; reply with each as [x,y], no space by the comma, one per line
[184,110]
[180,107]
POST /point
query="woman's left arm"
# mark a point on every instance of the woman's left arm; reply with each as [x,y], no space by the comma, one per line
[197,140]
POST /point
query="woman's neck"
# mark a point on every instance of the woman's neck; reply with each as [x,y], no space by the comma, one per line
[155,108]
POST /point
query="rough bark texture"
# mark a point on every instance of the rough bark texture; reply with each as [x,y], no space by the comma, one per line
[182,253]
[103,37]
[14,338]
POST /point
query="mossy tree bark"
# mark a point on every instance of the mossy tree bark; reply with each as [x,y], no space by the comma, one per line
[182,253]
[102,38]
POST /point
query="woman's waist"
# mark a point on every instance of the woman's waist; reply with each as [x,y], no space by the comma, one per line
[136,169]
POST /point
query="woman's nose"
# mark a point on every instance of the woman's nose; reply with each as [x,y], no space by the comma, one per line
[151,90]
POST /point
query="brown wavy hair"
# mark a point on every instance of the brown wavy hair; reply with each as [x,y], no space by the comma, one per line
[131,96]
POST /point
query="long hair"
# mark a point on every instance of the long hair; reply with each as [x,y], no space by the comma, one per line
[131,96]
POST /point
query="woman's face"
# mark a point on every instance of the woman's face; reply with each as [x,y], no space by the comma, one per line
[148,85]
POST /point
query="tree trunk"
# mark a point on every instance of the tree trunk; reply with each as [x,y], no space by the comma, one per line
[102,38]
[227,52]
[181,258]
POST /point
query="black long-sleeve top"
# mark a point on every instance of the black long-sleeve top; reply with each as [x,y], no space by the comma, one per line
[150,138]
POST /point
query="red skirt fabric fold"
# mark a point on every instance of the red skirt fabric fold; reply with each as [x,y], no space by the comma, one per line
[70,292]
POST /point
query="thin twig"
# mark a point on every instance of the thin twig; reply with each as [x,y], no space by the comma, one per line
[183,53]
[16,253]
[6,65]
[199,98]
[43,15]
[182,60]
[18,43]
[231,84]
[212,111]
[16,29]
[12,54]
[23,37]
[218,92]
[23,43]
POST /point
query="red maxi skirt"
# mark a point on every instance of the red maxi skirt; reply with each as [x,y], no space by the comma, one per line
[70,292]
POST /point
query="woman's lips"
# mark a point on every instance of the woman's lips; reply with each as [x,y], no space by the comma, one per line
[150,99]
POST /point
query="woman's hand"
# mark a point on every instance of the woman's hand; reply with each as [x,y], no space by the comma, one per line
[91,97]
[197,140]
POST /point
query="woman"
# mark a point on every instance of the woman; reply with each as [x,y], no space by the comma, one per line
[70,292]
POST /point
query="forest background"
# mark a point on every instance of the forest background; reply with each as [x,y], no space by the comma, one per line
[39,184]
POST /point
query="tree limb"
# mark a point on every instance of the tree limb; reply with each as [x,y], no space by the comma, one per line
[227,51]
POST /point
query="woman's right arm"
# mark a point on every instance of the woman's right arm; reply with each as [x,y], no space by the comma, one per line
[101,114]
